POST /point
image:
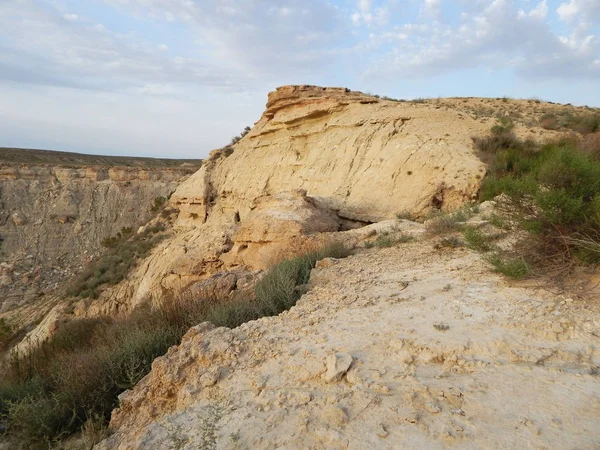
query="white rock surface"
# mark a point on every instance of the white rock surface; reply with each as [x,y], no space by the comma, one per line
[516,369]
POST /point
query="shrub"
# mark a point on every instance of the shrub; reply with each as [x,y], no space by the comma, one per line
[158,203]
[445,223]
[549,122]
[114,265]
[449,242]
[499,222]
[5,332]
[515,268]
[74,379]
[476,240]
[388,239]
[553,191]
[238,138]
[591,146]
[584,124]
[405,215]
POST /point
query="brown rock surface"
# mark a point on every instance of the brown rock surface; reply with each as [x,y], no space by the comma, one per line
[342,147]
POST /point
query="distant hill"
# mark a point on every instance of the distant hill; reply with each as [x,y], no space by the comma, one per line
[51,157]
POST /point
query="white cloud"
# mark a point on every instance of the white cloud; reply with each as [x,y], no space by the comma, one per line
[233,48]
[540,11]
[257,39]
[499,36]
[432,8]
[157,89]
[370,16]
[584,10]
[568,11]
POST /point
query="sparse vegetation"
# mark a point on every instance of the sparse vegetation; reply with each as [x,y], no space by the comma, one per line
[405,215]
[389,239]
[582,123]
[444,224]
[499,222]
[158,204]
[590,145]
[477,240]
[6,332]
[515,267]
[53,157]
[238,138]
[553,192]
[123,252]
[74,379]
[449,242]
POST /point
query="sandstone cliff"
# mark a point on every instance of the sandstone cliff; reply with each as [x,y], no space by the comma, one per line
[411,346]
[357,158]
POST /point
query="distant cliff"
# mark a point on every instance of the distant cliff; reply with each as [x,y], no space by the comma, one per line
[56,208]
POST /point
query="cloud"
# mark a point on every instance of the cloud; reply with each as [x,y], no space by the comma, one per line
[228,45]
[367,15]
[497,37]
[257,38]
[158,60]
[157,89]
[585,10]
[540,12]
[432,8]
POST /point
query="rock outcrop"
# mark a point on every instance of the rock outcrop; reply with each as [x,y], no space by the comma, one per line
[319,160]
[342,147]
[406,347]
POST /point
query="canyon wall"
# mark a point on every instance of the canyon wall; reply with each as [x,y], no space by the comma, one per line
[54,217]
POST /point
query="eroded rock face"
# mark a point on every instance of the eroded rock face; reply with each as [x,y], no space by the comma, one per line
[364,158]
[275,228]
[59,216]
[319,160]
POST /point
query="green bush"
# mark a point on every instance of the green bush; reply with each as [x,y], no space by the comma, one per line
[553,190]
[515,268]
[113,266]
[476,240]
[75,378]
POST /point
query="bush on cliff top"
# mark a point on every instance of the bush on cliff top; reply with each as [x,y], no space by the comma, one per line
[77,376]
[553,191]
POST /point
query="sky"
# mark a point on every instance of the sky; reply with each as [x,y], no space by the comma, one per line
[178,78]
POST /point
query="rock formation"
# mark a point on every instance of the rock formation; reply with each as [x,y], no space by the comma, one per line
[53,218]
[318,160]
[406,347]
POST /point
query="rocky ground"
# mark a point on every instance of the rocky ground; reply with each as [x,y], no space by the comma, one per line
[404,347]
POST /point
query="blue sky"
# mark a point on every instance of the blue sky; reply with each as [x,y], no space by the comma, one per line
[177,78]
